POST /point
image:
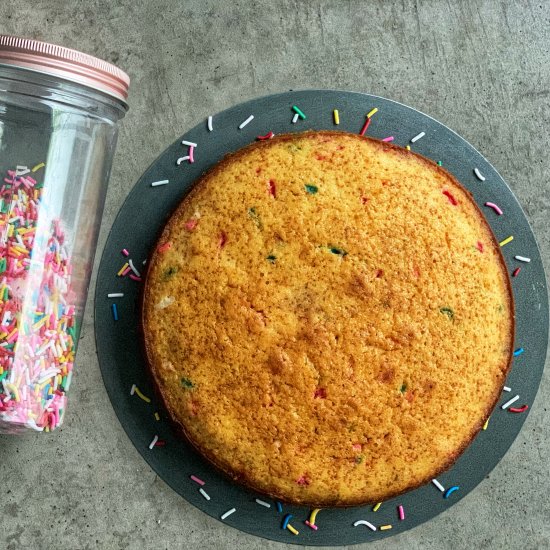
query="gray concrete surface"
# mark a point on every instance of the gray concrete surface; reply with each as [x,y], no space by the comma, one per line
[480,66]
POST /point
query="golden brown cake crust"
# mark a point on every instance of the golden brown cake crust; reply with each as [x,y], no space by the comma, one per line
[332,322]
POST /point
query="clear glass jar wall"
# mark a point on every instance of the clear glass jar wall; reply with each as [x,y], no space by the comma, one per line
[57,140]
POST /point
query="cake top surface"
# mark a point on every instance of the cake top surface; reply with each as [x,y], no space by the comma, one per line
[328,318]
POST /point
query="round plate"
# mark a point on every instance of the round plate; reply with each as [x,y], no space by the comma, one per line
[148,207]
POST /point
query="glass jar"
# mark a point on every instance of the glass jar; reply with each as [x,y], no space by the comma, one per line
[58,128]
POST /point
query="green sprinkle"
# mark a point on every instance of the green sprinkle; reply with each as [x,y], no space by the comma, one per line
[271,258]
[255,217]
[3,375]
[6,294]
[186,383]
[403,388]
[338,251]
[439,163]
[447,311]
[359,459]
[351,427]
[311,189]
[170,272]
[297,110]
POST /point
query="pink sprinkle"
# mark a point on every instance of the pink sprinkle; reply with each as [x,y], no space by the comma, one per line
[480,246]
[191,158]
[197,480]
[401,512]
[134,277]
[126,271]
[191,224]
[357,447]
[310,525]
[389,138]
[494,207]
[125,252]
[164,247]
[302,480]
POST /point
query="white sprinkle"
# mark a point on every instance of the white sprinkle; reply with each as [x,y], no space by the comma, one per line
[508,403]
[133,268]
[144,262]
[522,259]
[32,424]
[418,136]
[506,388]
[133,390]
[295,118]
[115,295]
[479,175]
[263,503]
[438,485]
[364,522]
[188,143]
[165,302]
[228,513]
[153,443]
[244,123]
[204,493]
[21,170]
[160,182]
[182,159]
[210,128]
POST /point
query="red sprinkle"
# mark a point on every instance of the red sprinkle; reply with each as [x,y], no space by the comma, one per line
[269,135]
[160,443]
[379,273]
[365,126]
[480,246]
[321,393]
[191,224]
[449,195]
[364,200]
[164,247]
[516,272]
[272,189]
[518,409]
[222,240]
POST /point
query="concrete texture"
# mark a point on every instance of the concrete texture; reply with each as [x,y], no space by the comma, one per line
[479,66]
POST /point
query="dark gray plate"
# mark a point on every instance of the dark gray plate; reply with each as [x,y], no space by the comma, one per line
[144,213]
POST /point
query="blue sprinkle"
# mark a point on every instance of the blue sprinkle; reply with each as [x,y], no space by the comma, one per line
[288,517]
[115,312]
[279,507]
[519,351]
[451,490]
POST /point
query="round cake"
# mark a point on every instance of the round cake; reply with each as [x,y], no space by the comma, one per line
[328,318]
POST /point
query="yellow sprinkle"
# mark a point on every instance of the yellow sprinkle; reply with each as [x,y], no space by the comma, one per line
[42,321]
[336,121]
[372,112]
[157,417]
[506,241]
[38,166]
[313,515]
[486,424]
[10,231]
[408,147]
[145,398]
[122,269]
[47,429]
[292,530]
[3,335]
[385,527]
[375,508]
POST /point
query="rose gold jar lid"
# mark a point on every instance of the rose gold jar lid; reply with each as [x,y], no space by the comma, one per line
[64,63]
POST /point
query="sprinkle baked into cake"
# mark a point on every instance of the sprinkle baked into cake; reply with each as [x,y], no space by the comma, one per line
[328,318]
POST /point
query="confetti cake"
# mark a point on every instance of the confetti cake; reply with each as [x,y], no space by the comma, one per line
[328,318]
